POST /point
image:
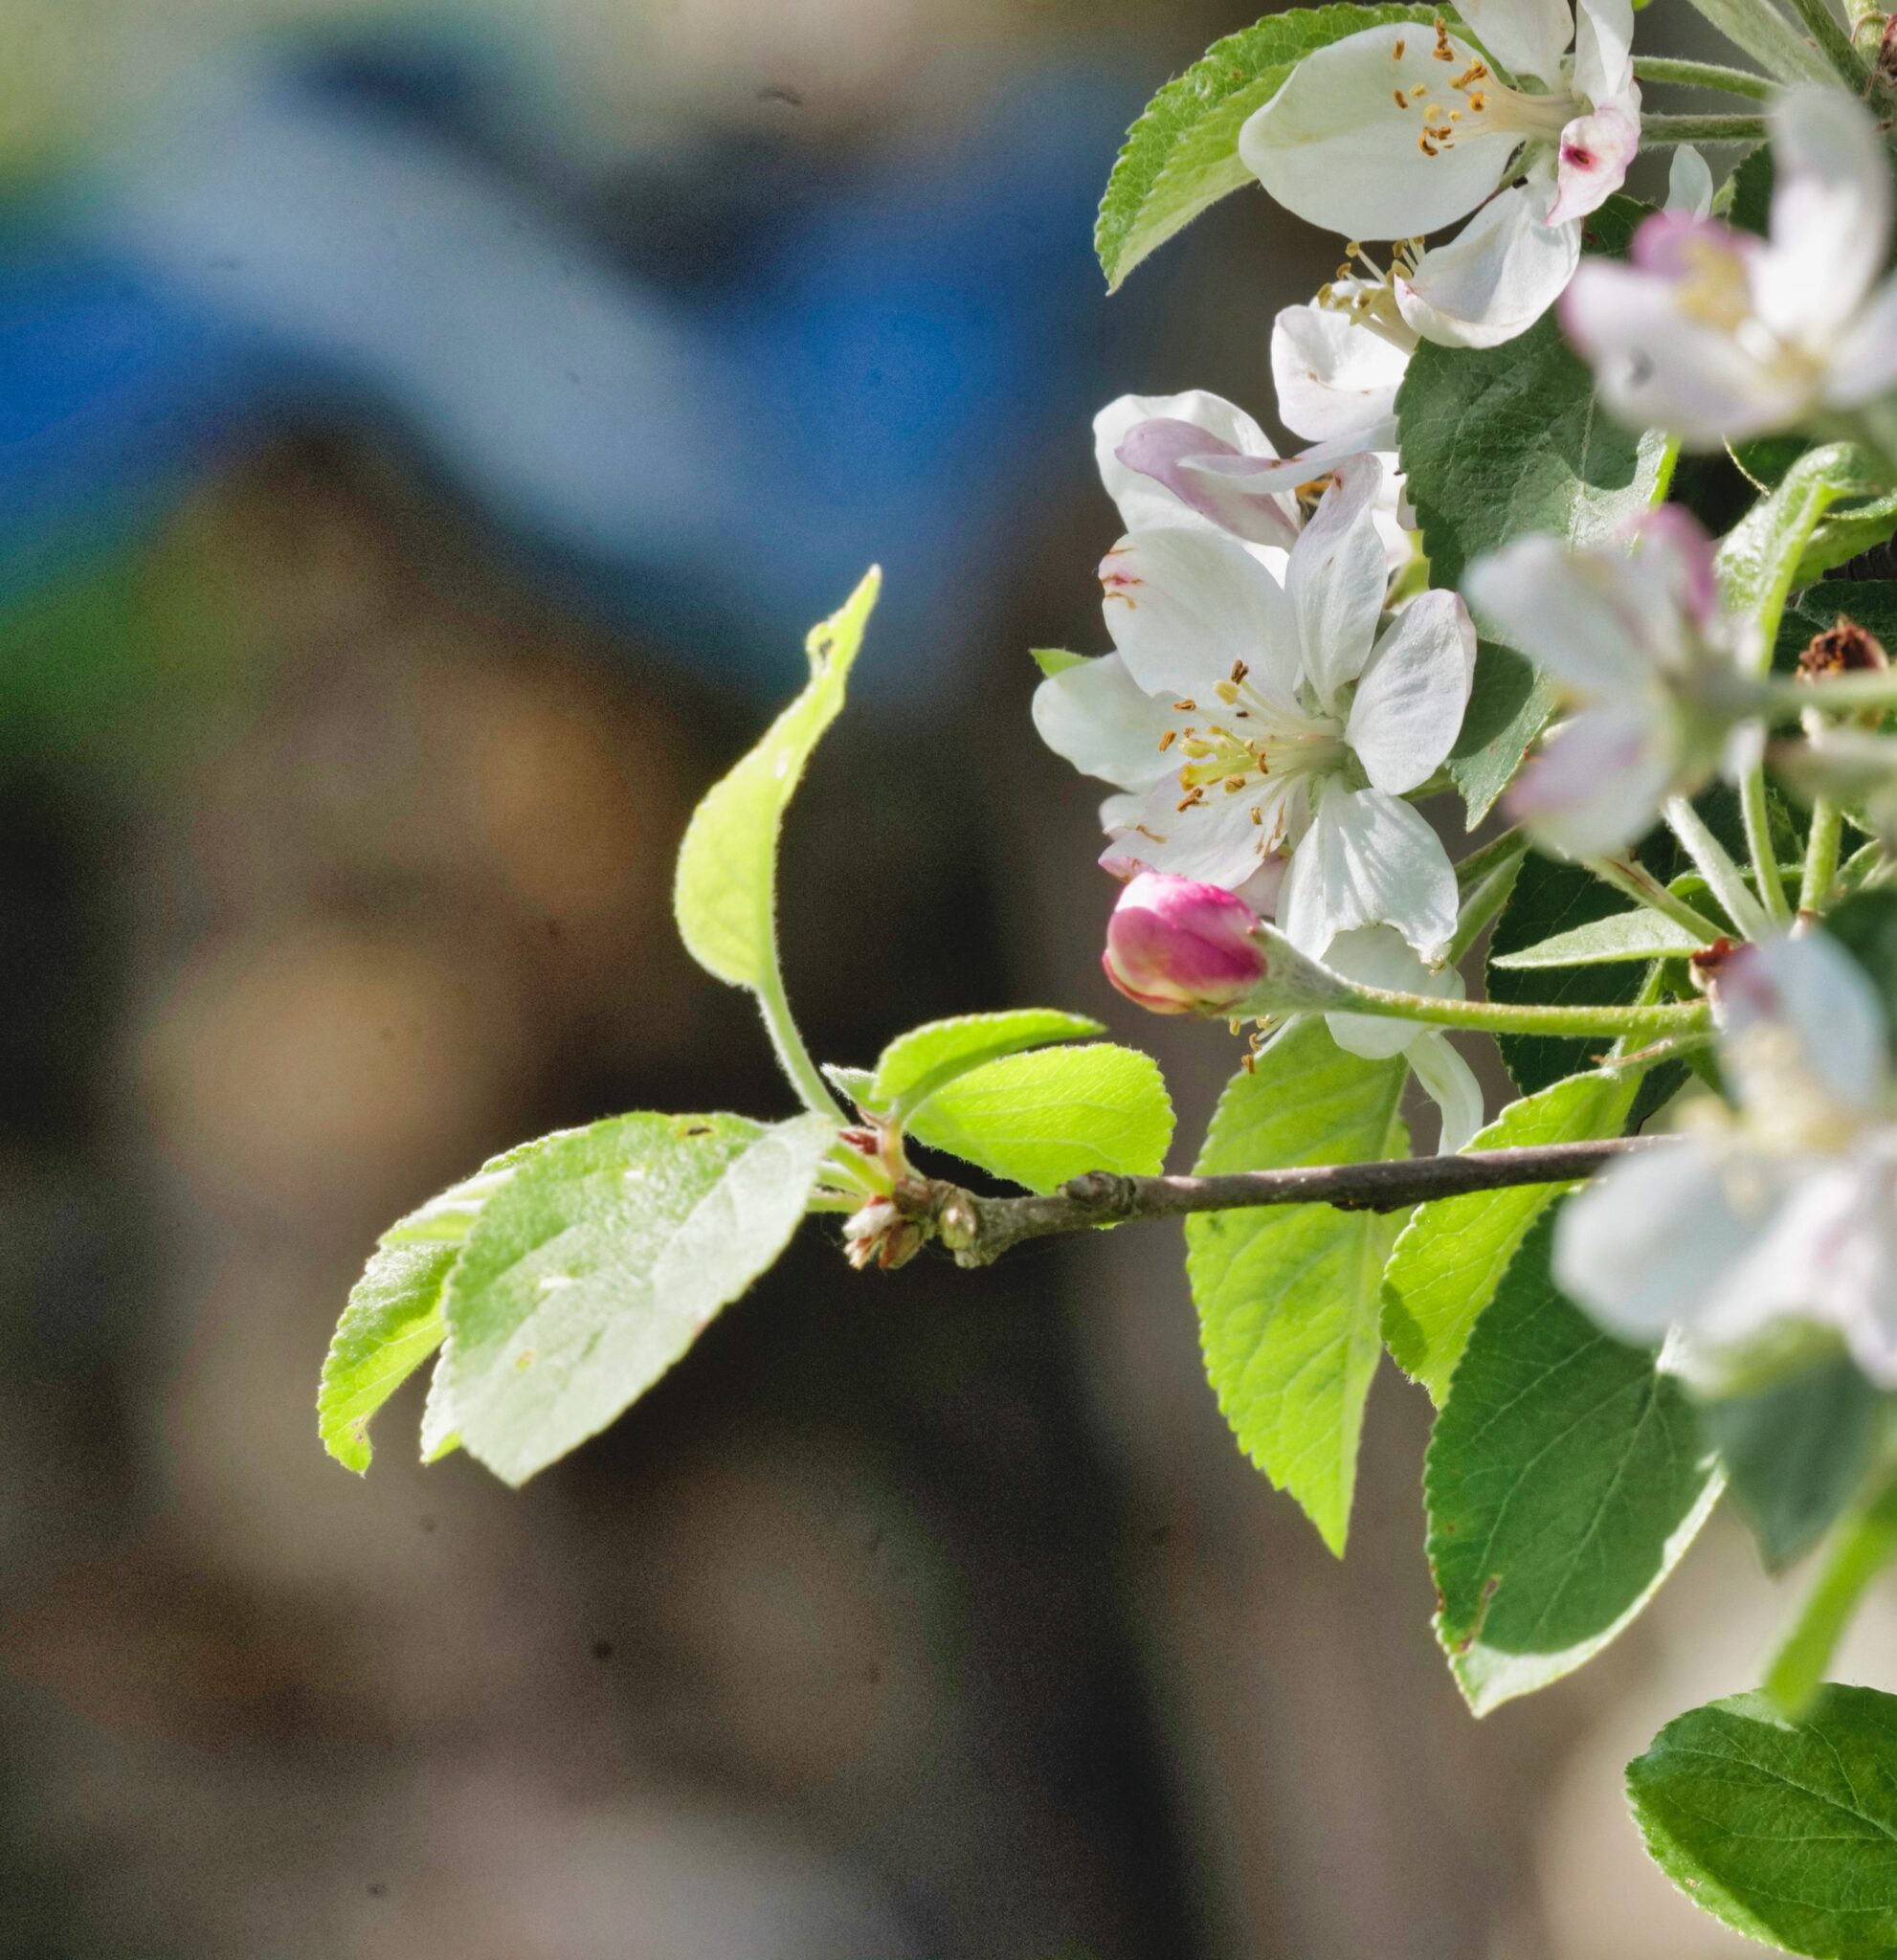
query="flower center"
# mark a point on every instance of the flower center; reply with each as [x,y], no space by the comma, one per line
[1255,744]
[1471,102]
[1369,297]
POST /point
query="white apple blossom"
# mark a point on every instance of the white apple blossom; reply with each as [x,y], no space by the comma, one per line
[1650,663]
[1338,362]
[1716,335]
[1781,1215]
[1252,725]
[1396,132]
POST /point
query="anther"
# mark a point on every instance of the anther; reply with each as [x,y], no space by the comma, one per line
[1191,796]
[1397,53]
[1402,101]
[1240,670]
[1234,784]
[1257,817]
[1186,707]
[1166,741]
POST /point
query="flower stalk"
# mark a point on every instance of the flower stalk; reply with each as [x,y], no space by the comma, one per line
[1731,82]
[1860,1548]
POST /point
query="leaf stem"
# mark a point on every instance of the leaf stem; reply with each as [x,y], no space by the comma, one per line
[1860,1549]
[1822,847]
[1658,131]
[1722,878]
[1638,882]
[1733,81]
[979,1230]
[806,1077]
[1757,815]
[1785,700]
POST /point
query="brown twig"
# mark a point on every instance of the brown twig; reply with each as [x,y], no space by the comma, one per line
[979,1230]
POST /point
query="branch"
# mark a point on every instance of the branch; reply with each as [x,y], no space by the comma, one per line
[979,1230]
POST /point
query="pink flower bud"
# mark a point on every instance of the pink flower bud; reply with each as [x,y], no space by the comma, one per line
[1181,947]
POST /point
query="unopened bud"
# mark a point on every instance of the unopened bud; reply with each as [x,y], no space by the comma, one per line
[882,1234]
[1179,947]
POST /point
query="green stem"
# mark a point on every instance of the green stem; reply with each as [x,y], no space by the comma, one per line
[1834,42]
[1786,700]
[1757,815]
[1639,883]
[1860,1549]
[1506,849]
[1763,32]
[1513,1017]
[1822,847]
[1734,81]
[806,1077]
[1722,878]
[1658,131]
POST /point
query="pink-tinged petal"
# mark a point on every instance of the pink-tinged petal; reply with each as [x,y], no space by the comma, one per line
[1573,614]
[1145,504]
[1340,143]
[1830,214]
[1527,36]
[1496,277]
[1095,716]
[1674,554]
[1337,580]
[1336,378]
[1657,364]
[1798,1017]
[1368,860]
[1184,605]
[1865,363]
[1180,946]
[1251,496]
[1408,705]
[1591,161]
[1597,781]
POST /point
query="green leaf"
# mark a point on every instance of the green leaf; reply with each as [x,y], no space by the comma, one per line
[1287,1295]
[1640,934]
[852,1083]
[1786,1831]
[1509,704]
[1760,559]
[1052,661]
[1182,155]
[601,1261]
[393,1321]
[1865,926]
[1797,1453]
[915,1065]
[1453,1253]
[726,893]
[1565,1477]
[1042,1118]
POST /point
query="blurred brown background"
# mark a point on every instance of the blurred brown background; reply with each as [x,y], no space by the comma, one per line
[350,711]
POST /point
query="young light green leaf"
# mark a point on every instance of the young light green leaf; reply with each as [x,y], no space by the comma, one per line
[1786,1831]
[1453,1253]
[915,1065]
[853,1082]
[1182,155]
[601,1261]
[393,1321]
[1565,1477]
[1288,1295]
[1041,1118]
[1640,934]
[726,893]
[1052,661]
[1797,1453]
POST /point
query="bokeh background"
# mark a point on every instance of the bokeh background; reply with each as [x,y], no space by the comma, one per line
[426,431]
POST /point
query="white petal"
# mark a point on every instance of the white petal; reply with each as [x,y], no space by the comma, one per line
[1568,611]
[1215,841]
[1649,1242]
[1334,146]
[1367,861]
[1410,703]
[1527,36]
[1453,1086]
[1690,182]
[1380,956]
[1593,158]
[1597,781]
[1337,580]
[1830,214]
[1183,605]
[1604,53]
[1798,1016]
[1336,378]
[1496,278]
[1142,502]
[1865,363]
[1657,366]
[1101,722]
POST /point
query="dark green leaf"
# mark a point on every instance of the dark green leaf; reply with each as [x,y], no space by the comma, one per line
[1288,1295]
[1565,1477]
[1786,1831]
[1795,1453]
[1865,926]
[1508,706]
